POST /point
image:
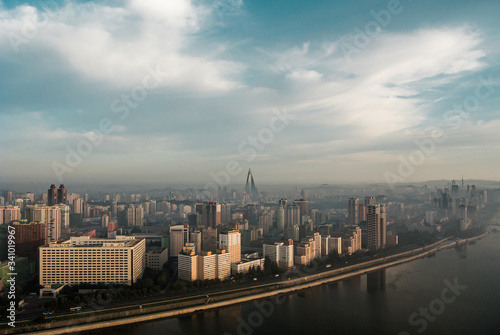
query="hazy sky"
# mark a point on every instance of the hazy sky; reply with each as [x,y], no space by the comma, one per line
[300,91]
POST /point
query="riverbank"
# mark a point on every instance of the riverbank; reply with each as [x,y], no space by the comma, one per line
[169,309]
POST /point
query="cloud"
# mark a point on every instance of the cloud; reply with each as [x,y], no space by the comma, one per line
[115,45]
[377,92]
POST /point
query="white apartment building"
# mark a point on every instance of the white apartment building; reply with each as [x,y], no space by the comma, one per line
[89,260]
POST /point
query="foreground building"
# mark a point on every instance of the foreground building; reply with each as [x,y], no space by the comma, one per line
[87,260]
[206,266]
[279,252]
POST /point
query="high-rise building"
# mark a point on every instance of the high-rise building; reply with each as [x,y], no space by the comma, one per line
[152,207]
[50,215]
[266,222]
[131,215]
[90,260]
[303,254]
[231,242]
[462,212]
[8,196]
[9,214]
[139,216]
[156,258]
[208,238]
[210,213]
[206,266]
[187,265]
[370,201]
[279,252]
[303,205]
[78,206]
[361,213]
[29,237]
[376,226]
[352,213]
[179,236]
[250,188]
[225,213]
[293,216]
[52,195]
[196,239]
[64,215]
[61,195]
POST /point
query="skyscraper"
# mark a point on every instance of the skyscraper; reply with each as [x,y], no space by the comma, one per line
[50,215]
[210,213]
[231,242]
[52,195]
[250,188]
[179,235]
[376,226]
[353,211]
[303,205]
[61,195]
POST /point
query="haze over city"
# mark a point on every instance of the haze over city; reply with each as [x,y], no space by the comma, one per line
[183,87]
[210,167]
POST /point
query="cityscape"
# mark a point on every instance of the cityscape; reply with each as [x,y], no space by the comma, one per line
[75,254]
[220,167]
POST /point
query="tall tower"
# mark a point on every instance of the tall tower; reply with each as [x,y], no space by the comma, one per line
[250,188]
[52,195]
[231,242]
[210,213]
[61,195]
[353,211]
[376,226]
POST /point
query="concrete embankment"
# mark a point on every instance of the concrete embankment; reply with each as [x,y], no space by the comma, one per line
[223,299]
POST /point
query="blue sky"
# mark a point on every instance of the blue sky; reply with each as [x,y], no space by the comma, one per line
[358,94]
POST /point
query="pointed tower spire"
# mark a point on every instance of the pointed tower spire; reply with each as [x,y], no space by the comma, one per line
[250,187]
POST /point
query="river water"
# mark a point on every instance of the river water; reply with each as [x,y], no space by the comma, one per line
[454,292]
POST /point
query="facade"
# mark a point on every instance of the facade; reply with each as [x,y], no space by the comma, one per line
[293,215]
[356,233]
[266,222]
[352,214]
[9,214]
[187,263]
[206,266]
[279,252]
[303,254]
[139,216]
[376,226]
[52,195]
[231,242]
[29,237]
[50,215]
[196,239]
[86,260]
[335,245]
[179,236]
[78,206]
[208,238]
[210,213]
[246,264]
[303,205]
[64,215]
[156,258]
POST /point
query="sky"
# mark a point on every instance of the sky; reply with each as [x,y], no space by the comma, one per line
[198,92]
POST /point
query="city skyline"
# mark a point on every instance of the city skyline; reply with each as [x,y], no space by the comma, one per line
[321,93]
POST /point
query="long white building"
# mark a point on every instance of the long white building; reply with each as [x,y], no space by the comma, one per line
[89,260]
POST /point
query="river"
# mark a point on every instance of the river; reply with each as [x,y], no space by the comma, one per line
[454,292]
